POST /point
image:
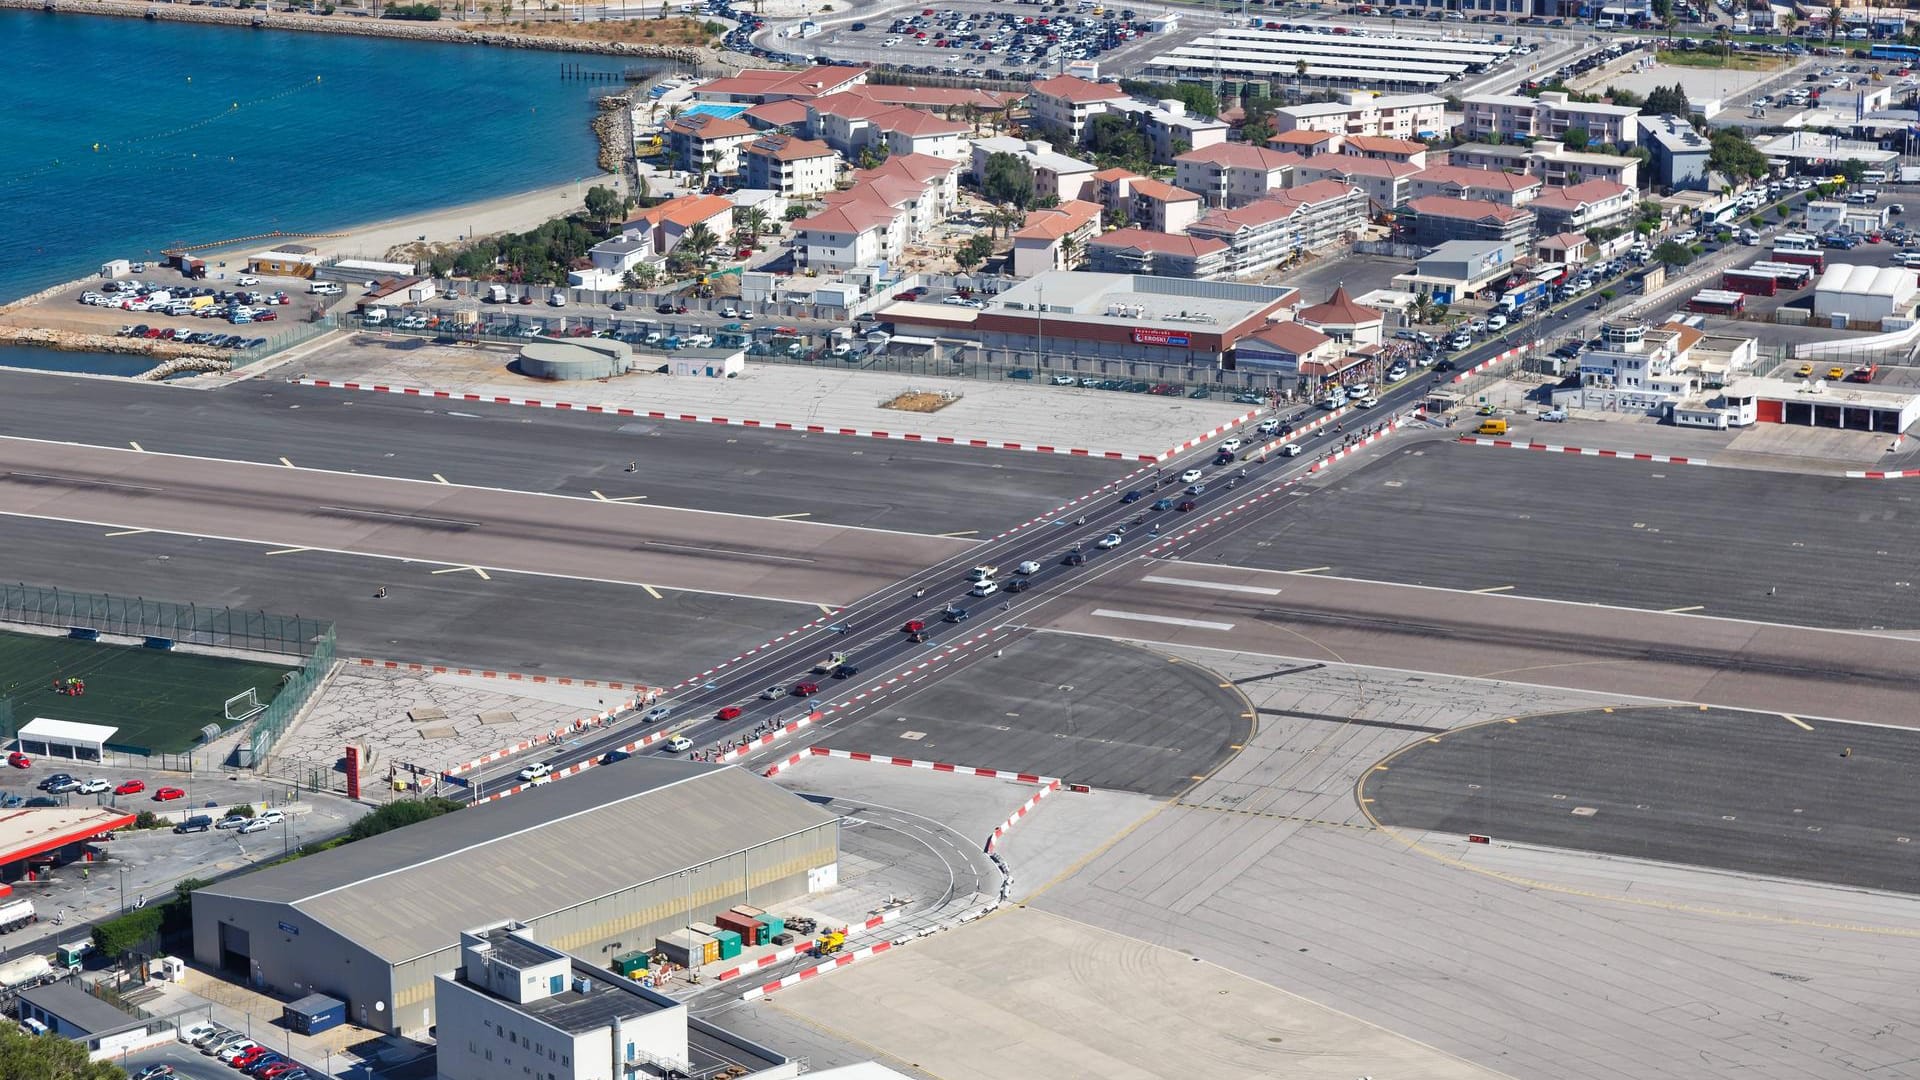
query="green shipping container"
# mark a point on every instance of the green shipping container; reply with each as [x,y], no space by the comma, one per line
[630,965]
[729,944]
[774,924]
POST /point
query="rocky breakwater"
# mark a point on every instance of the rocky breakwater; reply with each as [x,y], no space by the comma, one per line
[341,23]
[613,126]
[75,341]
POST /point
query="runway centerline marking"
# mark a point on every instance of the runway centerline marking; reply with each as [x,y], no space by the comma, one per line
[484,576]
[1492,588]
[1218,585]
[1167,620]
[1797,722]
[289,551]
[129,532]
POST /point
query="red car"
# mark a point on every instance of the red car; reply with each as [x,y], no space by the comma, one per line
[805,689]
[743,253]
[913,626]
[130,787]
[277,1069]
[250,1056]
[731,712]
[1187,507]
[168,794]
[19,760]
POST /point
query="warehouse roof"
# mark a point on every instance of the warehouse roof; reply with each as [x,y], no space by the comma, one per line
[544,850]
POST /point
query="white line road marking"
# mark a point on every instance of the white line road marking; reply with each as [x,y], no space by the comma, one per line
[1310,570]
[129,532]
[484,576]
[1133,616]
[1221,586]
[287,463]
[136,446]
[1492,588]
[1684,610]
[788,517]
[442,479]
[289,551]
[618,498]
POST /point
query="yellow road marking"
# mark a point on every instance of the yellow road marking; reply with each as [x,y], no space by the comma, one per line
[1797,722]
[484,576]
[1226,686]
[1684,610]
[289,551]
[651,591]
[129,532]
[1493,588]
[824,609]
[287,463]
[1310,570]
[963,532]
[440,478]
[786,517]
[136,446]
[617,498]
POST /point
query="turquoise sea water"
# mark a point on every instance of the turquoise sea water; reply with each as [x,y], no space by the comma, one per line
[206,133]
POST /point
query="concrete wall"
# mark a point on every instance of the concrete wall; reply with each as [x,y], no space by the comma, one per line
[315,959]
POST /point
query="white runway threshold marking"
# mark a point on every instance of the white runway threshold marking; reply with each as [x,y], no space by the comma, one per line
[1217,585]
[1135,616]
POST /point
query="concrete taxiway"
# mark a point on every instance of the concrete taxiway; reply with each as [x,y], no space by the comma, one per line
[911,487]
[457,526]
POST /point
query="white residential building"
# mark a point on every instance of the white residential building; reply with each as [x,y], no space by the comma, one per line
[1360,112]
[1234,174]
[1271,231]
[704,143]
[1053,173]
[1068,103]
[1167,124]
[790,165]
[1055,238]
[1551,115]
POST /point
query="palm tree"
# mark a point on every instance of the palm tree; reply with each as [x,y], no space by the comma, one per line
[1069,251]
[1787,23]
[753,223]
[971,114]
[1300,69]
[1833,23]
[1671,23]
[700,241]
[1008,217]
[1726,45]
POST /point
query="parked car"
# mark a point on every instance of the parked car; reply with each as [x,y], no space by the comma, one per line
[168,794]
[130,787]
[19,760]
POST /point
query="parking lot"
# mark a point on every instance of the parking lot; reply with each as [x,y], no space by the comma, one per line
[1014,40]
[219,316]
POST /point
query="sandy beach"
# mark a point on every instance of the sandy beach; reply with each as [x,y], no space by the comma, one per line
[509,213]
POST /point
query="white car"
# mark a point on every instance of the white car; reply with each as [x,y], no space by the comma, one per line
[1028,567]
[1365,401]
[1496,322]
[1109,541]
[94,787]
[679,744]
[272,817]
[1554,416]
[245,281]
[729,312]
[986,588]
[1190,476]
[1231,444]
[254,826]
[1290,450]
[196,1032]
[1270,425]
[234,1050]
[537,771]
[773,693]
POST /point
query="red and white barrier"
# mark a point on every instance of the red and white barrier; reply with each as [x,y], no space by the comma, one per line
[1019,812]
[788,953]
[935,766]
[771,737]
[801,948]
[1511,444]
[724,664]
[818,970]
[1884,474]
[1345,451]
[1203,437]
[635,745]
[772,425]
[1511,354]
[538,740]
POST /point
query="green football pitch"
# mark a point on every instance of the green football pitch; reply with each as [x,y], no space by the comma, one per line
[158,699]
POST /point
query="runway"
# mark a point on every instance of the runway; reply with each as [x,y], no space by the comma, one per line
[1638,654]
[459,527]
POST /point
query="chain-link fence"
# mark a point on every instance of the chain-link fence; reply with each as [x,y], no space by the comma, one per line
[192,624]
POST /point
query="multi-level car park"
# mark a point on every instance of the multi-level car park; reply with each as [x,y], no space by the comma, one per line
[1333,55]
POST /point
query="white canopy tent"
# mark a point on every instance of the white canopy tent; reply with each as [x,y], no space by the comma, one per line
[68,739]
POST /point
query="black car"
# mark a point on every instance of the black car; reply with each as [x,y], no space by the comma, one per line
[56,778]
[619,305]
[954,614]
[42,800]
[1130,497]
[857,27]
[845,670]
[1074,558]
[1444,365]
[1018,584]
[664,309]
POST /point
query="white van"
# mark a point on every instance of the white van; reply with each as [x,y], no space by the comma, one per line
[374,316]
[324,288]
[557,298]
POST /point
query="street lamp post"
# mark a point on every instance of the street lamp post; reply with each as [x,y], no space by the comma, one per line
[123,890]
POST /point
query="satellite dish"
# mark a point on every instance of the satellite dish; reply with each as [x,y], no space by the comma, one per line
[379,1006]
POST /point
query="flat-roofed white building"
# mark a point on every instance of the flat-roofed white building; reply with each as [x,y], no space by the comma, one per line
[1370,61]
[1363,112]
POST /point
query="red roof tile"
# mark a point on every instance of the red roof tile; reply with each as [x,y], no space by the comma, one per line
[1340,310]
[1446,206]
[1077,90]
[1159,242]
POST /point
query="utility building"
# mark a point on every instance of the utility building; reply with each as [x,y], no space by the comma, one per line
[623,853]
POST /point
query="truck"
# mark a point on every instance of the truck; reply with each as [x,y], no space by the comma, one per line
[983,572]
[25,973]
[830,664]
[15,914]
[496,294]
[1519,297]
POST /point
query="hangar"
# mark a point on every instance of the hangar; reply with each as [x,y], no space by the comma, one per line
[622,853]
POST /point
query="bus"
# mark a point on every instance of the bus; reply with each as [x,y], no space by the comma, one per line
[1717,302]
[1905,53]
[1874,176]
[1816,260]
[1790,276]
[1796,241]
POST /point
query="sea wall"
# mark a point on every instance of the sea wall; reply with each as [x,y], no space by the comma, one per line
[342,23]
[74,341]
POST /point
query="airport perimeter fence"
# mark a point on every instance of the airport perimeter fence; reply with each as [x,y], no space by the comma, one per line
[293,334]
[162,623]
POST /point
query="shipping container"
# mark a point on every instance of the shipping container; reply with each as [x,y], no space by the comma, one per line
[314,1013]
[632,965]
[772,926]
[748,929]
[748,911]
[685,947]
[729,944]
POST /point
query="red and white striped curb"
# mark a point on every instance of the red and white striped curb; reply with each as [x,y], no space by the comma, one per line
[724,664]
[538,740]
[1511,444]
[935,766]
[772,425]
[818,970]
[800,948]
[1510,354]
[1202,437]
[1884,474]
[1019,812]
[509,676]
[1391,426]
[571,770]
